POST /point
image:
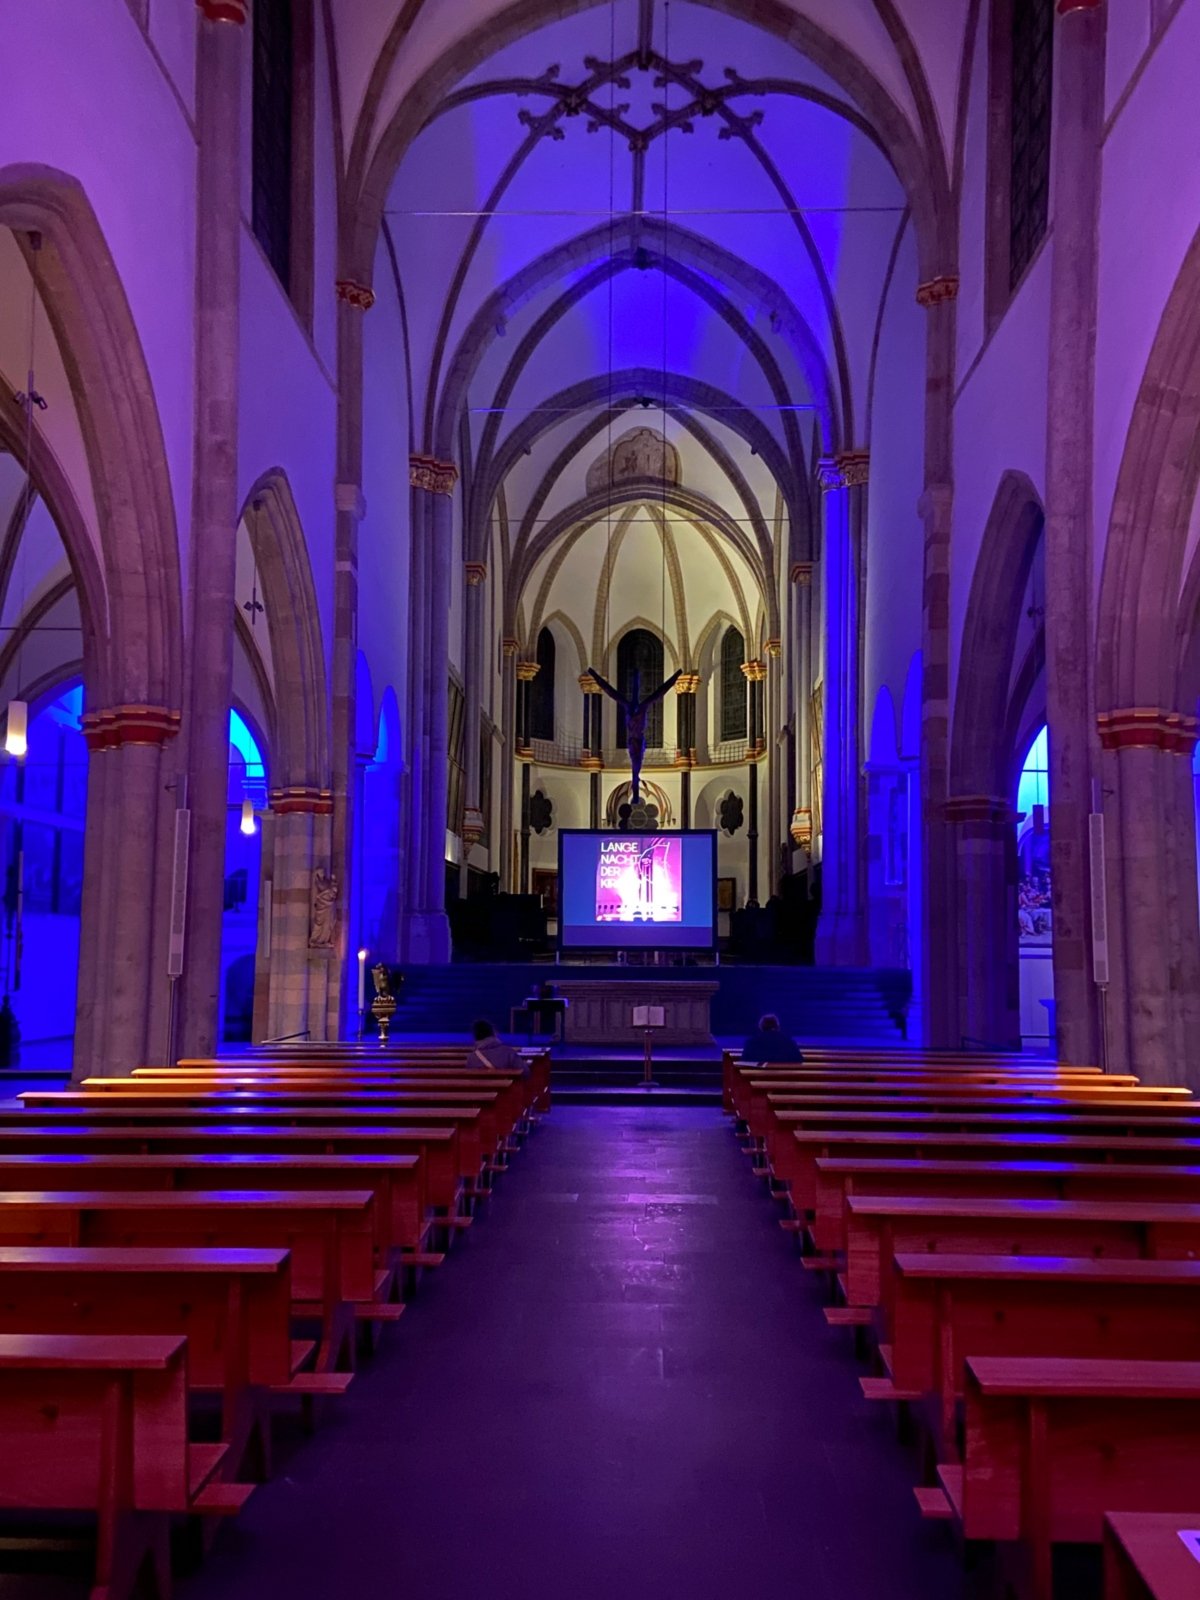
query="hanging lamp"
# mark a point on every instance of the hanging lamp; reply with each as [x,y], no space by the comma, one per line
[16,731]
[249,823]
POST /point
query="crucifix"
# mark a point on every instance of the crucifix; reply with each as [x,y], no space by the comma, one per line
[635,709]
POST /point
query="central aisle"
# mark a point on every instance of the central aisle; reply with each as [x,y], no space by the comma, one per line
[620,1385]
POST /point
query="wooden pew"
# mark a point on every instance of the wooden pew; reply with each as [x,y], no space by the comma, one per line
[1051,1445]
[920,1144]
[500,1103]
[98,1423]
[439,1147]
[235,1306]
[946,1307]
[797,1077]
[330,1234]
[838,1177]
[397,1182]
[880,1226]
[327,1122]
[1151,1555]
[488,1125]
[779,1115]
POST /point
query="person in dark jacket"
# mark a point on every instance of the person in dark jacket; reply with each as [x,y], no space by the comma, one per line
[770,1044]
[491,1053]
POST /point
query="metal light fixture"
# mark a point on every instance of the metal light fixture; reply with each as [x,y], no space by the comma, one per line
[16,740]
[249,822]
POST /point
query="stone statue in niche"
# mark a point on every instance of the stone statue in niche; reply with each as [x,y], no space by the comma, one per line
[323,911]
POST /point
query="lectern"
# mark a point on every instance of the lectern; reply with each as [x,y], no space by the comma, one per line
[647,1018]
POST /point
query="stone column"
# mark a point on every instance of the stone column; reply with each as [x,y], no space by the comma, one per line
[508,719]
[801,660]
[1078,130]
[427,926]
[935,1010]
[754,673]
[475,573]
[591,760]
[220,53]
[129,812]
[773,649]
[1154,932]
[686,688]
[299,976]
[527,671]
[988,972]
[841,933]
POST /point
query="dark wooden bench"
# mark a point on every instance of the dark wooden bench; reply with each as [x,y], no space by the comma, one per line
[1052,1445]
[397,1182]
[438,1147]
[880,1226]
[234,1305]
[913,1143]
[330,1234]
[98,1423]
[946,1307]
[839,1176]
[1151,1555]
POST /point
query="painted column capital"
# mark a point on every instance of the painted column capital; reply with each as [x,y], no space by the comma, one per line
[774,648]
[753,671]
[475,573]
[301,799]
[801,828]
[588,684]
[845,470]
[938,291]
[527,671]
[122,725]
[687,683]
[509,646]
[431,474]
[801,574]
[472,826]
[1147,728]
[235,11]
[358,296]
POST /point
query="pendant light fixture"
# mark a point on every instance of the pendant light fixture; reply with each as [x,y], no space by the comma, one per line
[249,823]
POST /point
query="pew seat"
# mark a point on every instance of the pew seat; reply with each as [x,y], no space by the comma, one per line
[1151,1555]
[97,1423]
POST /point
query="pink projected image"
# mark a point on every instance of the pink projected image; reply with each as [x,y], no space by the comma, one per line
[639,880]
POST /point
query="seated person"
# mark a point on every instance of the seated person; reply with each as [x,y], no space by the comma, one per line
[770,1044]
[491,1053]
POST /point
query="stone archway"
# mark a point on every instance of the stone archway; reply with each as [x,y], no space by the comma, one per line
[298,983]
[1146,695]
[979,806]
[135,686]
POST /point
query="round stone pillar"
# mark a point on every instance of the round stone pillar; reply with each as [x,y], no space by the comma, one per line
[213,540]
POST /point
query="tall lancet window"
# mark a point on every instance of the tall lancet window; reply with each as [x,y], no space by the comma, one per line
[733,685]
[273,106]
[281,201]
[541,690]
[641,653]
[1029,161]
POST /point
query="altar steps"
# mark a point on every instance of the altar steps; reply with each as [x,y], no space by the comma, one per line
[848,1005]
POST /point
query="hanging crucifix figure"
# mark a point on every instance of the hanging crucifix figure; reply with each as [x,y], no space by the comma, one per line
[635,709]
